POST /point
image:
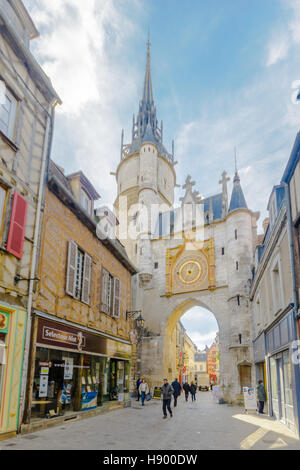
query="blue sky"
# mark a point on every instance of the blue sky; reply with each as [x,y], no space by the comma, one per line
[222,76]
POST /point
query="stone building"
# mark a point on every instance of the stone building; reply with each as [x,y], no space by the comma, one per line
[212,363]
[274,302]
[27,102]
[189,359]
[81,352]
[208,265]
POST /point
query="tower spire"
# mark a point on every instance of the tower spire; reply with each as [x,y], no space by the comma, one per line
[148,92]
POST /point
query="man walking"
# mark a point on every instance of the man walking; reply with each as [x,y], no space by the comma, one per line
[167,392]
[261,396]
[193,390]
[186,389]
[177,391]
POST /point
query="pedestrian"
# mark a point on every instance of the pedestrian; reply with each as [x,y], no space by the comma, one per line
[193,389]
[186,389]
[261,396]
[138,383]
[167,392]
[143,390]
[177,390]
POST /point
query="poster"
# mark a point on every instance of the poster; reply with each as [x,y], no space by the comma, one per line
[250,399]
[89,401]
[121,397]
[157,393]
[68,371]
[43,392]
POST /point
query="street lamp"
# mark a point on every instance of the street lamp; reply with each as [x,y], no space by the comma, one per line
[140,322]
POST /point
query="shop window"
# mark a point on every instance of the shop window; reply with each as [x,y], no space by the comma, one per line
[111,294]
[8,114]
[65,382]
[78,273]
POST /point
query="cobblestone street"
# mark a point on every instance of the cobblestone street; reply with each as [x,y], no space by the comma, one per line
[195,426]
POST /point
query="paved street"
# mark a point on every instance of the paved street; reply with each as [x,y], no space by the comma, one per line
[201,425]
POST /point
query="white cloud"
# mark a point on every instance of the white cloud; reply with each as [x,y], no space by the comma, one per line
[83,48]
[278,50]
[283,40]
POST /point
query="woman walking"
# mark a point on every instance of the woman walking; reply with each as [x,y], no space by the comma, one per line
[143,390]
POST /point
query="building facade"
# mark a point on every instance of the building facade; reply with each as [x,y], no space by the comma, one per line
[212,363]
[208,265]
[189,359]
[274,306]
[81,351]
[26,123]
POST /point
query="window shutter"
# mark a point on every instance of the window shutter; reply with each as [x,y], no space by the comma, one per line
[71,268]
[16,234]
[117,297]
[104,294]
[112,296]
[86,283]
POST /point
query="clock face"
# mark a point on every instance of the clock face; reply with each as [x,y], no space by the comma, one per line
[190,272]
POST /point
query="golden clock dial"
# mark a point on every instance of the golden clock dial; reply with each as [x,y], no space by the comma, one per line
[190,272]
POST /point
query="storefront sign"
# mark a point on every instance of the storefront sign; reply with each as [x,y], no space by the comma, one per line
[69,338]
[4,322]
[53,334]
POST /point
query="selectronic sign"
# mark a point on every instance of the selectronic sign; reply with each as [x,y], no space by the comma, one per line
[62,336]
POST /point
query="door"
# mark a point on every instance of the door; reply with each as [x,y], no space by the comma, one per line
[274,388]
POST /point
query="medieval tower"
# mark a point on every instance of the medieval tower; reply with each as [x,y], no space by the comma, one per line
[177,272]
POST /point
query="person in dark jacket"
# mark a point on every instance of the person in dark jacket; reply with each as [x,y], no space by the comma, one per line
[186,389]
[261,396]
[193,390]
[167,392]
[138,383]
[177,390]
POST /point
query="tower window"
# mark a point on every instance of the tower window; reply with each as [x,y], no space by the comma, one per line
[238,300]
[237,265]
[156,265]
[223,251]
[240,338]
[236,234]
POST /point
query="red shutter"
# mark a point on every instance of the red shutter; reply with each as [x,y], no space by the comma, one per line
[16,234]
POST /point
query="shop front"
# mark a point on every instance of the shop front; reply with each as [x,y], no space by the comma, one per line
[12,334]
[76,370]
[281,377]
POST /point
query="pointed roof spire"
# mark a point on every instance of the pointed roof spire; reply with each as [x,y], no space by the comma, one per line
[238,200]
[148,92]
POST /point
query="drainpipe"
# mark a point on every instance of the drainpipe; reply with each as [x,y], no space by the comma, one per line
[44,166]
[295,308]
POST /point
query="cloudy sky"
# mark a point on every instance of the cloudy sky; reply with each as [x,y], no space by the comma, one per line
[223,76]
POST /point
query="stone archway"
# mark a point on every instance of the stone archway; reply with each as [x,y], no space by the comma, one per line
[158,351]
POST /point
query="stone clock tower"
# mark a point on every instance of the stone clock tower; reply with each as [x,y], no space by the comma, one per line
[208,266]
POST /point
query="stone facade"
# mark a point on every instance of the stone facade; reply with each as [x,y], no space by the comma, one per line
[222,255]
[27,111]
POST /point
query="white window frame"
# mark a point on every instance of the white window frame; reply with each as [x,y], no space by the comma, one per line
[278,298]
[11,117]
[84,197]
